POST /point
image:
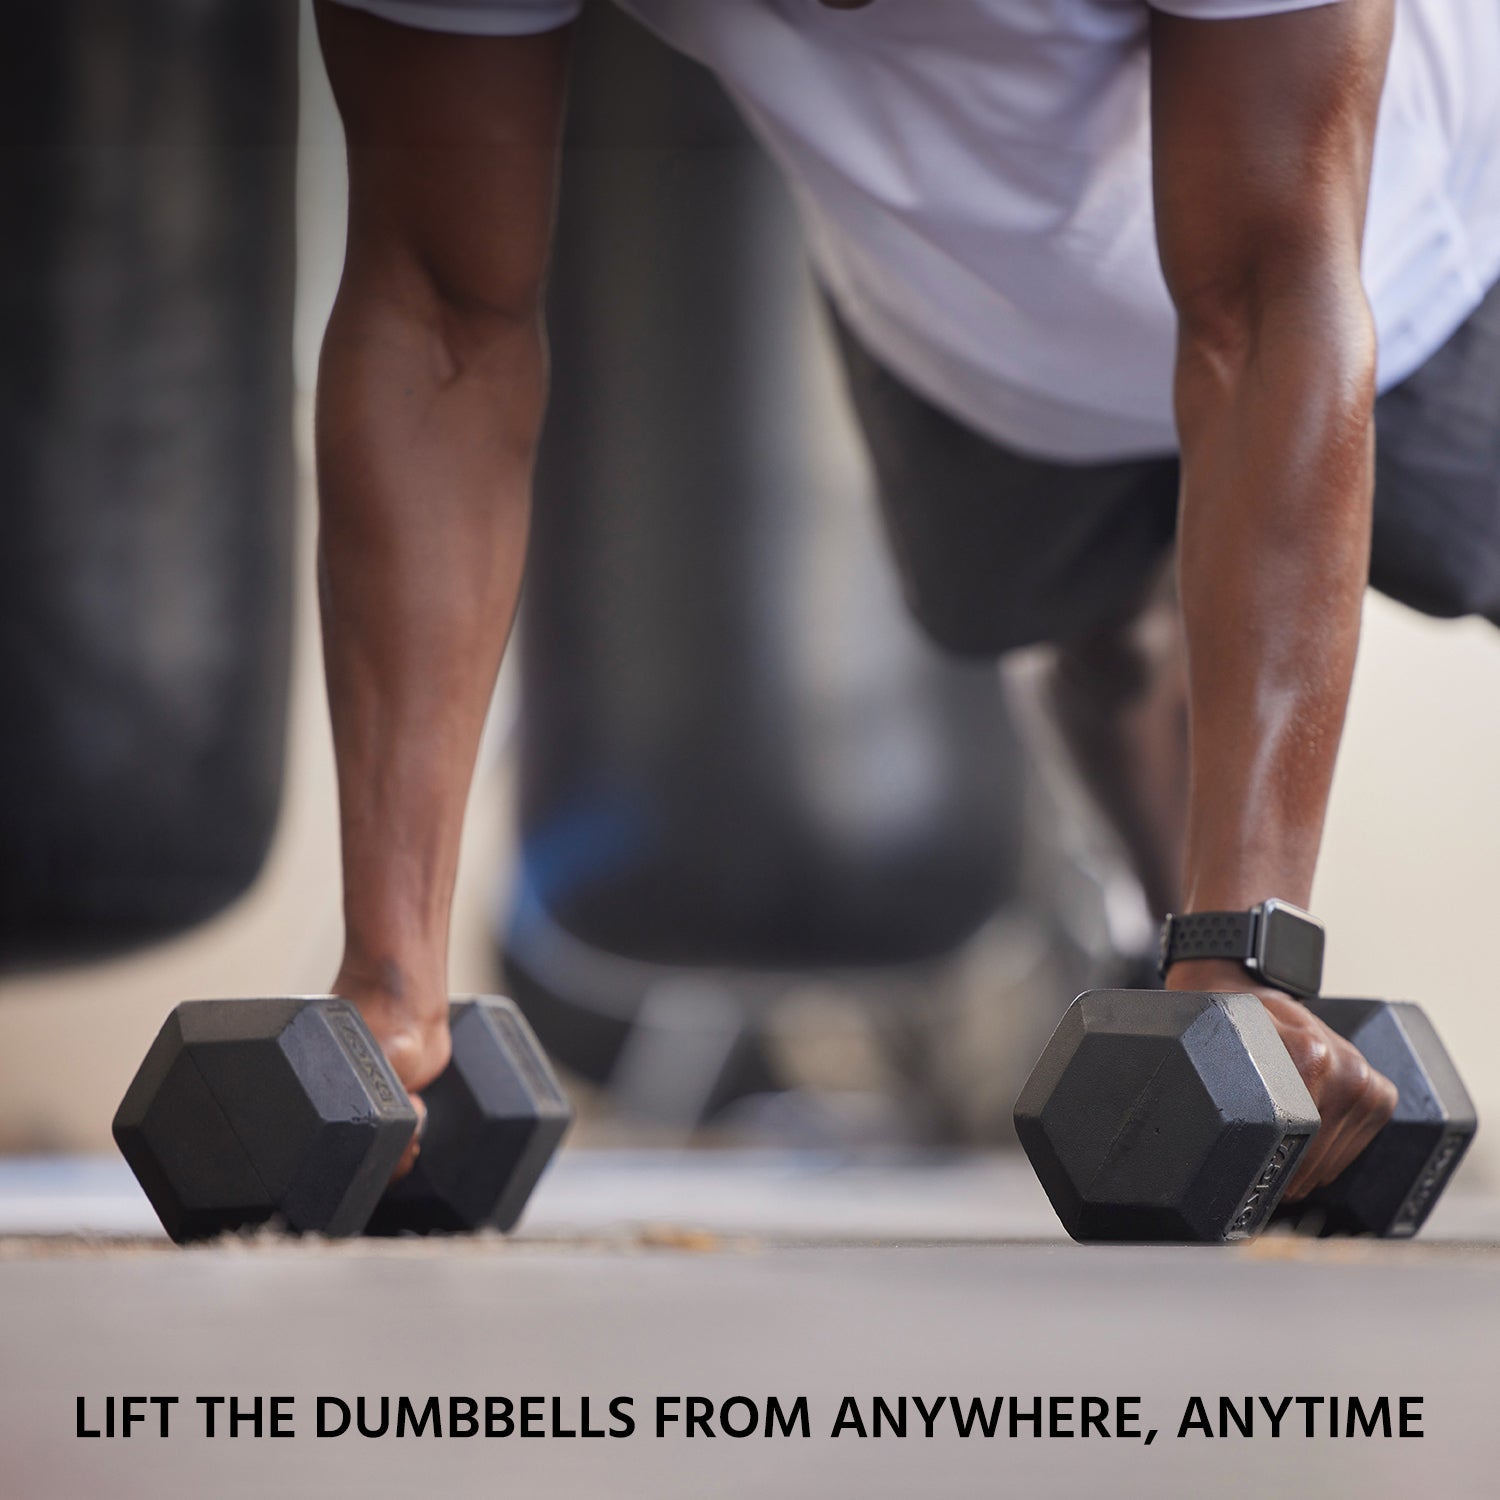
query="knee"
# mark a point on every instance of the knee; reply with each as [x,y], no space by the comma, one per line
[977,608]
[1105,667]
[443,321]
[974,634]
[476,333]
[1112,667]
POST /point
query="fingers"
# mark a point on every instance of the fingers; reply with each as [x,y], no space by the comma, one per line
[411,1028]
[416,1056]
[1380,1107]
[414,1145]
[1362,1102]
[1353,1100]
[416,1059]
[1312,1056]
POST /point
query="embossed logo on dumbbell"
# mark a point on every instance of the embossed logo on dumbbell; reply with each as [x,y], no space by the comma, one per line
[1419,1200]
[522,1049]
[349,1032]
[1250,1209]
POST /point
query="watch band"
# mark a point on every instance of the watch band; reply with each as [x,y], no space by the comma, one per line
[1208,934]
[1279,943]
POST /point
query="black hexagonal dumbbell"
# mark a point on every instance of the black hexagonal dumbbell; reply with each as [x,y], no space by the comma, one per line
[494,1119]
[244,1110]
[1149,1118]
[1390,1188]
[1164,1116]
[247,1111]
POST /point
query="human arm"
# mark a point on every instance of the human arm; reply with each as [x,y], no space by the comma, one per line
[430,397]
[1263,132]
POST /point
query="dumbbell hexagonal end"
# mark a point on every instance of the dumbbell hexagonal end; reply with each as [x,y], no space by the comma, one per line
[245,1110]
[495,1118]
[1158,1115]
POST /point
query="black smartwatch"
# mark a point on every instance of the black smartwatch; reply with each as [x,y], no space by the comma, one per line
[1280,944]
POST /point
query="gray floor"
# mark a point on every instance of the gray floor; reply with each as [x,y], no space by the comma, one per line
[723,1274]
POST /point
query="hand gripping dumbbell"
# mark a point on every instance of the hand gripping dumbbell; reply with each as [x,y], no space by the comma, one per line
[1391,1186]
[1159,1115]
[248,1111]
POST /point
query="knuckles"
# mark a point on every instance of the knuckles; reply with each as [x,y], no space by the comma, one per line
[1353,1100]
[1381,1097]
[1313,1058]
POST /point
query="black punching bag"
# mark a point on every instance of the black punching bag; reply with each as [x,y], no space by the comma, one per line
[735,749]
[146,469]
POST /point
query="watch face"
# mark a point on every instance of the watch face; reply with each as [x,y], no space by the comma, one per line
[1289,948]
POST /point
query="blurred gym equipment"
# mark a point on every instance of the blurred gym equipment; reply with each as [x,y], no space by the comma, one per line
[738,758]
[146,283]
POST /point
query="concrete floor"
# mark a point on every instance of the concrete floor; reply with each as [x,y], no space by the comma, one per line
[724,1274]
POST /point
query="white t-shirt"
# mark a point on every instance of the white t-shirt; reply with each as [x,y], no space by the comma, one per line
[974,177]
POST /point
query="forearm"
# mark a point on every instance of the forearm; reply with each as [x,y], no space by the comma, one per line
[1275,416]
[1263,131]
[427,424]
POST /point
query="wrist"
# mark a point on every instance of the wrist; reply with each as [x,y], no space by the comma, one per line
[1287,876]
[1214,976]
[409,980]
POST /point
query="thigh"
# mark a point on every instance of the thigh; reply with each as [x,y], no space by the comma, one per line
[1436,543]
[996,549]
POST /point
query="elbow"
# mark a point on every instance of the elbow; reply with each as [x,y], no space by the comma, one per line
[487,353]
[485,335]
[451,322]
[1309,305]
[1300,335]
[486,375]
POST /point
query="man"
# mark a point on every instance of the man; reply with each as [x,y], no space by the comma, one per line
[1043,225]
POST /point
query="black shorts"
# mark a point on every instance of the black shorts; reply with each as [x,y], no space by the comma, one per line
[997,550]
